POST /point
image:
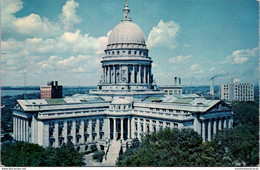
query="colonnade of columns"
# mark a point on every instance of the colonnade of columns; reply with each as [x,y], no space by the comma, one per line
[133,74]
[79,131]
[211,126]
[142,126]
[119,128]
[21,129]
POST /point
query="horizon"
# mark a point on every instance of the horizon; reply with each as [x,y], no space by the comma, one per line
[187,39]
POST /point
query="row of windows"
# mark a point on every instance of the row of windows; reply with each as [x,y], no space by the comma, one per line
[169,110]
[175,125]
[129,53]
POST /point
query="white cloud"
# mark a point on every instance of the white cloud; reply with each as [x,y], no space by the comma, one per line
[8,9]
[34,25]
[163,35]
[241,56]
[68,16]
[180,59]
[196,68]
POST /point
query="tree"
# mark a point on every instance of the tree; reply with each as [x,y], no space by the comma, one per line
[26,154]
[173,148]
[23,154]
[66,155]
[239,145]
[246,113]
[98,155]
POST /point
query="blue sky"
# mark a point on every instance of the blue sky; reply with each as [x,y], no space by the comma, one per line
[63,40]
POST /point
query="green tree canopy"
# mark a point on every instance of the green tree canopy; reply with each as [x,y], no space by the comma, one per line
[239,145]
[23,154]
[26,155]
[173,148]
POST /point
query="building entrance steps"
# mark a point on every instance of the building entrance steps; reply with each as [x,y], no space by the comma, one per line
[112,153]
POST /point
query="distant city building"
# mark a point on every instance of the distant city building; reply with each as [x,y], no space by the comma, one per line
[51,90]
[176,89]
[127,104]
[236,90]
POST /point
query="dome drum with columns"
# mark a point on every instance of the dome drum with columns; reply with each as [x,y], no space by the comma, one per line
[127,67]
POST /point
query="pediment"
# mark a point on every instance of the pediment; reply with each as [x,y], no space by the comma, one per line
[220,106]
[17,106]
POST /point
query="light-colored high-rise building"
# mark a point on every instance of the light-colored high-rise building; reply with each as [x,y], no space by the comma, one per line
[237,91]
[127,104]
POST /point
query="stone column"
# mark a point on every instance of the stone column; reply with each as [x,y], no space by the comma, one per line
[140,74]
[145,80]
[109,74]
[108,130]
[132,74]
[230,123]
[46,138]
[157,126]
[151,126]
[14,127]
[112,74]
[73,132]
[133,128]
[138,128]
[98,129]
[128,129]
[203,131]
[114,130]
[120,73]
[122,128]
[219,124]
[209,130]
[90,130]
[27,130]
[65,131]
[127,74]
[214,126]
[104,76]
[82,131]
[225,123]
[148,74]
[55,134]
[164,124]
[23,129]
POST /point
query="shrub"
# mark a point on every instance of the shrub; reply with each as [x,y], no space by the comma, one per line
[93,148]
[98,155]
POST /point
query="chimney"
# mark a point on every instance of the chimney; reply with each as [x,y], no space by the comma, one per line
[212,88]
[175,81]
[179,81]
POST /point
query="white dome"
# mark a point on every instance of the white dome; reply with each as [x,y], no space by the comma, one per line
[126,32]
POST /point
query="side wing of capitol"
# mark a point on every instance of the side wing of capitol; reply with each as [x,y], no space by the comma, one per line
[127,103]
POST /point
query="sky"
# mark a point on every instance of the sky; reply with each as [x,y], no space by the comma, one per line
[64,40]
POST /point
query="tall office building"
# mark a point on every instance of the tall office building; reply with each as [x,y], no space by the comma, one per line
[51,90]
[236,90]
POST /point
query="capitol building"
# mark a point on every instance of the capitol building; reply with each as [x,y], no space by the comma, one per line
[127,104]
